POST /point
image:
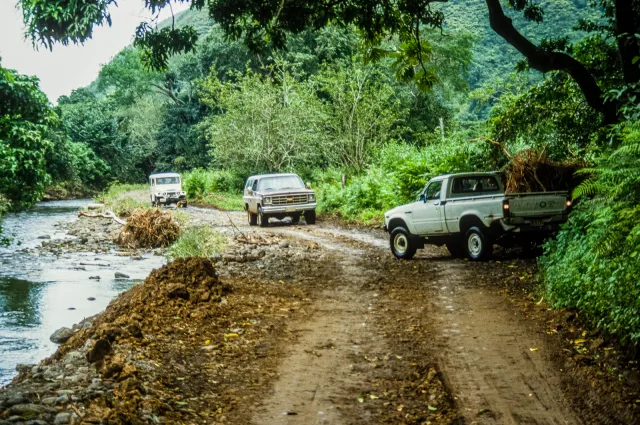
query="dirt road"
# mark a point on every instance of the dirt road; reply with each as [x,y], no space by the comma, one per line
[433,340]
[297,325]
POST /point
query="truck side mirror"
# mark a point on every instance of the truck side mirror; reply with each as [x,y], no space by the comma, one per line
[250,191]
[423,197]
[307,185]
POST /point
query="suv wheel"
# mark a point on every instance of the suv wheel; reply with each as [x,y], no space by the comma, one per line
[401,244]
[252,218]
[310,217]
[478,245]
[262,219]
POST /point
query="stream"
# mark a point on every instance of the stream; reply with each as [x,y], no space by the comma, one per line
[42,291]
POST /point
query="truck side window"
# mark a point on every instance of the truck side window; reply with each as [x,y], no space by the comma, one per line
[255,186]
[248,185]
[465,186]
[433,191]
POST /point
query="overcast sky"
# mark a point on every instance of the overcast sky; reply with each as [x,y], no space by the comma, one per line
[67,68]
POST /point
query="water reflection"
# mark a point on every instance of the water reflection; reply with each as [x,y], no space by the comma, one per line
[19,300]
[41,293]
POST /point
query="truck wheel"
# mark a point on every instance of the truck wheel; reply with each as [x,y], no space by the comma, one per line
[252,218]
[310,217]
[262,219]
[477,245]
[455,249]
[401,244]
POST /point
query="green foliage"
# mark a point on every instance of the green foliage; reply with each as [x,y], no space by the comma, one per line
[593,265]
[25,122]
[266,124]
[396,177]
[65,21]
[200,241]
[199,182]
[123,199]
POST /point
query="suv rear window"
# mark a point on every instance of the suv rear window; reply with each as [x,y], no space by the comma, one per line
[474,185]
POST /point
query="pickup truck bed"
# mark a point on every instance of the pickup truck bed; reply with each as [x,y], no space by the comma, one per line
[469,213]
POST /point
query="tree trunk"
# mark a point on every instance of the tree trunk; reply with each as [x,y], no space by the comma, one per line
[626,27]
[551,61]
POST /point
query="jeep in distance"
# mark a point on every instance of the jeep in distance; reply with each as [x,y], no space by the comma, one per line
[278,196]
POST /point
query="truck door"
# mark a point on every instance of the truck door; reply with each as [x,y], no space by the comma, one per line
[427,216]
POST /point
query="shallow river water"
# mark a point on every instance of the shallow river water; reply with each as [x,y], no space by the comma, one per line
[40,293]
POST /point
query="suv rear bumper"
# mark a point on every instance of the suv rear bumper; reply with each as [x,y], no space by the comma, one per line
[284,209]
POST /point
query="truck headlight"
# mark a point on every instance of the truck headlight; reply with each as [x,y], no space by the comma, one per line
[312,197]
[268,200]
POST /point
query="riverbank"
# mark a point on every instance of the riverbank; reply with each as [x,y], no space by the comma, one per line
[306,323]
[55,271]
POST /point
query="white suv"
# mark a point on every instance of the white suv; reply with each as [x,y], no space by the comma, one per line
[166,188]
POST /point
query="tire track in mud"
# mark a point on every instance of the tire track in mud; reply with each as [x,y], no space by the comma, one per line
[493,361]
[316,379]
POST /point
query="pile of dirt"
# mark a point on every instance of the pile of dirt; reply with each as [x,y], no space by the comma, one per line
[149,228]
[179,346]
[532,171]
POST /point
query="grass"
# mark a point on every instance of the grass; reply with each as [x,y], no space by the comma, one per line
[123,199]
[220,201]
[201,241]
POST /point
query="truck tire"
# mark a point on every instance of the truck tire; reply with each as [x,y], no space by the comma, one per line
[477,244]
[310,217]
[455,249]
[252,218]
[401,244]
[263,219]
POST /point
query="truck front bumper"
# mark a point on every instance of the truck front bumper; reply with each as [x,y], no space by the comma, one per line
[288,209]
[170,200]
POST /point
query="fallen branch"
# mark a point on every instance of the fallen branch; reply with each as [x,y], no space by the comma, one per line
[486,139]
[107,214]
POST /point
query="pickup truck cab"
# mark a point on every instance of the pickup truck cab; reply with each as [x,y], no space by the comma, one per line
[469,213]
[166,188]
[278,196]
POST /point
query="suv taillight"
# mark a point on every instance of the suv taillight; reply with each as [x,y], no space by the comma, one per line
[506,210]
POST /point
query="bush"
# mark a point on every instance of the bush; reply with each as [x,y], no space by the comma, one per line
[123,199]
[593,265]
[399,174]
[200,183]
[199,241]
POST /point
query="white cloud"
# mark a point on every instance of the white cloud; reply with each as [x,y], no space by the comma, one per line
[71,67]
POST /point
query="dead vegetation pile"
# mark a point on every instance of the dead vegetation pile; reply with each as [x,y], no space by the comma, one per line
[149,228]
[184,347]
[532,171]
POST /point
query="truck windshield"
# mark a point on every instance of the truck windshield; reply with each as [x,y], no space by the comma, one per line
[281,183]
[168,180]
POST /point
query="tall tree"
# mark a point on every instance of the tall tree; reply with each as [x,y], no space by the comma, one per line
[261,23]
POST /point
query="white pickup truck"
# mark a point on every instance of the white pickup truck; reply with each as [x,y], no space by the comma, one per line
[469,213]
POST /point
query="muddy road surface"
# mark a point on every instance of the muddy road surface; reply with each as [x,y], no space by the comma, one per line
[432,340]
[298,324]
